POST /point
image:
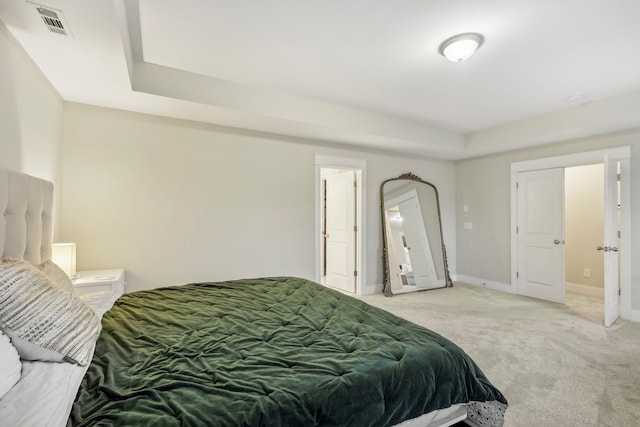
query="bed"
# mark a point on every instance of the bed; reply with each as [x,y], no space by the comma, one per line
[279,351]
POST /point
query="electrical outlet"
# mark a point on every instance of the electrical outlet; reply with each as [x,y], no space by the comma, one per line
[587,272]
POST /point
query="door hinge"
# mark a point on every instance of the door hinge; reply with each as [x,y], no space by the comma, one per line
[618,177]
[517,185]
[355,273]
[517,274]
[517,230]
[618,234]
[619,291]
[355,228]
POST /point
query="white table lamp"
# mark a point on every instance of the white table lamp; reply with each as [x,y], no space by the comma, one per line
[64,255]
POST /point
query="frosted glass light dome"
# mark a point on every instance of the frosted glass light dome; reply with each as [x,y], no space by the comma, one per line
[461,46]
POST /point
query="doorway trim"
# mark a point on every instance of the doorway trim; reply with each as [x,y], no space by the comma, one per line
[581,159]
[360,168]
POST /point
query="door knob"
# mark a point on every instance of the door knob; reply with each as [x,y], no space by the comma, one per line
[613,249]
[556,242]
[600,248]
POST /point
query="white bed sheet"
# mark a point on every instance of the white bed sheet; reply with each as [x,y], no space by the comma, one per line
[45,393]
[438,418]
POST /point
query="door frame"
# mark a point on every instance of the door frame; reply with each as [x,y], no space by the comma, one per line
[360,168]
[580,159]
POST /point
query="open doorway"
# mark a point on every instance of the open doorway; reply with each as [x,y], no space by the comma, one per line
[339,210]
[340,223]
[584,228]
[538,267]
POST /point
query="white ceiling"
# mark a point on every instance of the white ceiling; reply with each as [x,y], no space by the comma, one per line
[357,72]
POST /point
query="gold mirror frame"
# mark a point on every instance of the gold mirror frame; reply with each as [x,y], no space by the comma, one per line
[386,290]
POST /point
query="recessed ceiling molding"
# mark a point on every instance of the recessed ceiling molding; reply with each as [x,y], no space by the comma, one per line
[241,106]
[262,105]
[125,11]
[104,66]
[283,111]
[608,115]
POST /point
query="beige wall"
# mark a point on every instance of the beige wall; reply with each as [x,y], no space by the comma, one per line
[173,201]
[30,117]
[584,224]
[483,184]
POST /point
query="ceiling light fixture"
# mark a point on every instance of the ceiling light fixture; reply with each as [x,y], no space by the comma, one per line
[461,46]
[575,98]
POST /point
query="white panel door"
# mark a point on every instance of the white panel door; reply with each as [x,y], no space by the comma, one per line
[340,231]
[541,234]
[424,272]
[611,279]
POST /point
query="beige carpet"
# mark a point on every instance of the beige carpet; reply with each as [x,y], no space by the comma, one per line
[556,364]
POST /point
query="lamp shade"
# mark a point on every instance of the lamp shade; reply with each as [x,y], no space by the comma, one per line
[461,46]
[64,255]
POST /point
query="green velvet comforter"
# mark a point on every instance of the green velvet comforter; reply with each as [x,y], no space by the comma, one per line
[270,352]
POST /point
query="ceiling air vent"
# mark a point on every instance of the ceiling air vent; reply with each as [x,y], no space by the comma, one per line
[52,19]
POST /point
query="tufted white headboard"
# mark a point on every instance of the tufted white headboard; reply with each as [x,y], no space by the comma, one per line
[26,217]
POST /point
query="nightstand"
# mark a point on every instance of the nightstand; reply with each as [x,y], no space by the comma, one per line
[99,280]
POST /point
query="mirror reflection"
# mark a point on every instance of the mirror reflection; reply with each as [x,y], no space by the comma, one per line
[414,252]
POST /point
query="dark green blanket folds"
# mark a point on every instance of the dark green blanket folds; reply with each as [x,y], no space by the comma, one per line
[270,352]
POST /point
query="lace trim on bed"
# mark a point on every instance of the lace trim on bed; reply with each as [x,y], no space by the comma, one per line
[486,414]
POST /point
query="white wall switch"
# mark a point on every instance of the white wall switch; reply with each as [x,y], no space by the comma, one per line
[468,225]
[465,208]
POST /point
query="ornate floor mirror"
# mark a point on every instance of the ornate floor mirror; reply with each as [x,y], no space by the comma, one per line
[414,255]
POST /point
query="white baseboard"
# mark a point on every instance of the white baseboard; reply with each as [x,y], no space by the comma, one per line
[584,290]
[496,286]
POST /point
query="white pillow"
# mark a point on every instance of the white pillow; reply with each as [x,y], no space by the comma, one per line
[43,321]
[57,275]
[10,365]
